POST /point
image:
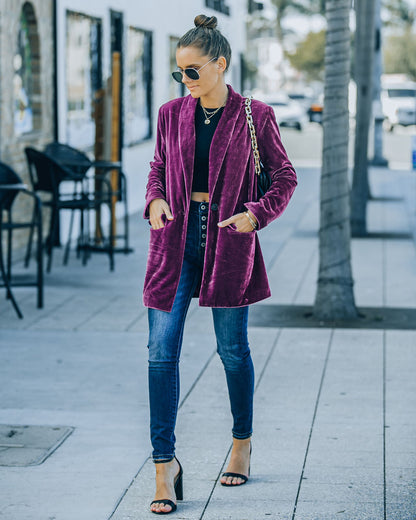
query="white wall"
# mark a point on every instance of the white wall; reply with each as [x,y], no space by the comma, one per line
[164,18]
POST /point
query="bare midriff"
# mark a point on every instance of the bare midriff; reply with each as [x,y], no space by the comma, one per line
[200,196]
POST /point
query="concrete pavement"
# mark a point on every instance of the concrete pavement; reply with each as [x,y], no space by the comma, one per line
[335,421]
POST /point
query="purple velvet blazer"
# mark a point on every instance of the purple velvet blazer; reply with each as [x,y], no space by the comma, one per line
[234,273]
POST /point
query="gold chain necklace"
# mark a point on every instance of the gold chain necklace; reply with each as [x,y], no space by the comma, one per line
[208,115]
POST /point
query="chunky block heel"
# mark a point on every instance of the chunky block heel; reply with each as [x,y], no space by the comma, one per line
[179,484]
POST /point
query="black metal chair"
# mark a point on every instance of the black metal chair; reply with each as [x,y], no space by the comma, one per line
[46,176]
[10,187]
[77,162]
[102,190]
[63,163]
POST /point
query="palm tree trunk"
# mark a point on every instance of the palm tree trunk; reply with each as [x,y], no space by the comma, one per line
[364,58]
[335,296]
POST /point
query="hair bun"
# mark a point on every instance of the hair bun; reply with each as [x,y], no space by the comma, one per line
[208,22]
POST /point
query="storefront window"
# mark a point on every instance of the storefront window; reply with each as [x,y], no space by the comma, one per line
[83,77]
[175,89]
[26,84]
[218,5]
[138,108]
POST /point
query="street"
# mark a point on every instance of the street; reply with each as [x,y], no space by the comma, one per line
[305,147]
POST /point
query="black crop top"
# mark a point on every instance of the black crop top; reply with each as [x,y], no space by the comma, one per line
[204,134]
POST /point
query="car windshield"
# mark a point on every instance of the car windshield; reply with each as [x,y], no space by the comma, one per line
[278,104]
[401,92]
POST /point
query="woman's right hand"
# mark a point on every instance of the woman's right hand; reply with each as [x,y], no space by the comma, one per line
[157,208]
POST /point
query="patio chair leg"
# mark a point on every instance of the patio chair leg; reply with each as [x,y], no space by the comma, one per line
[7,282]
[9,245]
[52,231]
[126,222]
[30,240]
[40,258]
[68,243]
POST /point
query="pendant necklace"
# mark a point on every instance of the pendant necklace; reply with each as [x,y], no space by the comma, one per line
[208,115]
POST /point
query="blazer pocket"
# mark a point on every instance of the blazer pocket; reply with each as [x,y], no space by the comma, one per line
[234,232]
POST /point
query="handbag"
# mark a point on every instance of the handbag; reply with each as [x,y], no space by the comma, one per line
[264,180]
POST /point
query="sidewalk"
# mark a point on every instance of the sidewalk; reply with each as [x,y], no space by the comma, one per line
[335,409]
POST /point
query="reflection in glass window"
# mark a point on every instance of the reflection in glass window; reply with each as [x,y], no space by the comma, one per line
[26,63]
[175,89]
[138,86]
[218,5]
[83,77]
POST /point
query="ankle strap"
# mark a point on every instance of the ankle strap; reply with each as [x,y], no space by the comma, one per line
[163,461]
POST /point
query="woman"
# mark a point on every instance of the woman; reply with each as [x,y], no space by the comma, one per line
[201,202]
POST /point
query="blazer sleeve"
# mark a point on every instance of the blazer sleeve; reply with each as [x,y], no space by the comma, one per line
[277,164]
[156,184]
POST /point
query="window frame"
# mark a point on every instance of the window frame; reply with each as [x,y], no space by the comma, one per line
[95,72]
[218,5]
[33,85]
[147,64]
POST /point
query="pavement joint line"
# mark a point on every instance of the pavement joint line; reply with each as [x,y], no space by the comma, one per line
[259,379]
[21,300]
[127,489]
[273,260]
[39,318]
[215,482]
[313,421]
[266,363]
[384,271]
[91,316]
[304,275]
[295,228]
[201,373]
[384,425]
[204,368]
[138,318]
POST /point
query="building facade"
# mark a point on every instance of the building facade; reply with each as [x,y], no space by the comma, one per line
[26,83]
[145,33]
[56,54]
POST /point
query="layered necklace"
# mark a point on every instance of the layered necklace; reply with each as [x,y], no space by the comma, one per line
[208,114]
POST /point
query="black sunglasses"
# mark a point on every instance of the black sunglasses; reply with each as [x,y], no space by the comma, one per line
[191,73]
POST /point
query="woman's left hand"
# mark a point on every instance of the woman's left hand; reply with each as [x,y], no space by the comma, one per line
[240,221]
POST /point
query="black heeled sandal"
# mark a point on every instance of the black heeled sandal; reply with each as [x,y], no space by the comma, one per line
[178,486]
[236,475]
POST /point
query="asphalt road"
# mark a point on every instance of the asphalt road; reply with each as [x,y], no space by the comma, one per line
[305,147]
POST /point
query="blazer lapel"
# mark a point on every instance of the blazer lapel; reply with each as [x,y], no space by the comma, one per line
[223,135]
[186,141]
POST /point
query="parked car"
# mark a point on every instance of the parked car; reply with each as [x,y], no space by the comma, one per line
[398,101]
[316,109]
[288,113]
[302,98]
[315,112]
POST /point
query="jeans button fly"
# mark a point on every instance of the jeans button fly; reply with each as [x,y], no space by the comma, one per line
[203,206]
[203,218]
[204,226]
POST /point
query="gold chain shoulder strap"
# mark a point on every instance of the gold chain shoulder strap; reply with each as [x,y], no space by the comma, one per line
[250,122]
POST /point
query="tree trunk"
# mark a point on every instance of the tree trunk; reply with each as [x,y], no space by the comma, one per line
[335,297]
[364,58]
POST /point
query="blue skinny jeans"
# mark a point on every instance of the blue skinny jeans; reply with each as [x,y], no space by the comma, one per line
[165,342]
